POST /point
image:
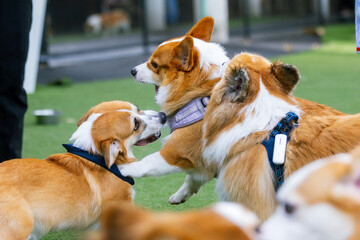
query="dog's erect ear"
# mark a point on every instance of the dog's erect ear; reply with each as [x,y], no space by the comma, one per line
[184,54]
[112,150]
[237,84]
[203,29]
[287,75]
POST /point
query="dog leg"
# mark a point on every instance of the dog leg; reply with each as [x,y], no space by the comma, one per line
[191,186]
[152,165]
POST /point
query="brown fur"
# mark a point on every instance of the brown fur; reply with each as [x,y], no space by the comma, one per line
[323,131]
[64,190]
[120,221]
[183,149]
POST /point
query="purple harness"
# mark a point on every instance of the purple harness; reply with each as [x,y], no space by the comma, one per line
[191,113]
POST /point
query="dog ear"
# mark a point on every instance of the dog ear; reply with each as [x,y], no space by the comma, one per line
[287,75]
[112,150]
[237,84]
[184,54]
[203,29]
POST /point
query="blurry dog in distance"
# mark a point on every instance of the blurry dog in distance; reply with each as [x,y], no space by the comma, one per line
[108,23]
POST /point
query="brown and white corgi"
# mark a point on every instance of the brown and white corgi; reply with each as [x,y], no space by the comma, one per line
[319,201]
[68,190]
[226,221]
[109,22]
[182,69]
[248,103]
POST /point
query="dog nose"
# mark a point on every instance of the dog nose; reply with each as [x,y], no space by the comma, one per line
[133,72]
[162,117]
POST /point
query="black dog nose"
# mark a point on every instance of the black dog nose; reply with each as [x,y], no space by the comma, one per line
[162,117]
[133,72]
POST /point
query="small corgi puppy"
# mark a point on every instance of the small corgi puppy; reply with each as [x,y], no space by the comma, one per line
[183,70]
[250,102]
[224,220]
[319,201]
[109,22]
[68,190]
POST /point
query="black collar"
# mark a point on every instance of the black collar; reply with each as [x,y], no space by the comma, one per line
[98,160]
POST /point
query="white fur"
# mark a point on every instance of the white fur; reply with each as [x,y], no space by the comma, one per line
[82,137]
[162,95]
[288,189]
[95,22]
[261,115]
[237,214]
[144,74]
[152,165]
[314,222]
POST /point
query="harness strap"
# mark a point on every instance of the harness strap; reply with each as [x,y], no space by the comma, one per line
[98,160]
[191,113]
[285,126]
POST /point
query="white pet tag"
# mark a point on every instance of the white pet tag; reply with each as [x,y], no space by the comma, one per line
[279,149]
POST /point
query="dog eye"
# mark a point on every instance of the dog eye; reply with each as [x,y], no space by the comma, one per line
[154,64]
[289,208]
[137,124]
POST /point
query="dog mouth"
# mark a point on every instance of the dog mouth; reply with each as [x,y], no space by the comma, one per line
[150,139]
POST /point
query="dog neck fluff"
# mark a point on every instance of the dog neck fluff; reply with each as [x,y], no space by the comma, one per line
[262,116]
[82,137]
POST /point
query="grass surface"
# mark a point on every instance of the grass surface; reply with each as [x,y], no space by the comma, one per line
[330,76]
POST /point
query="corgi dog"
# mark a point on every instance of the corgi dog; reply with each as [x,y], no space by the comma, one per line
[109,22]
[184,71]
[319,201]
[224,220]
[248,105]
[68,190]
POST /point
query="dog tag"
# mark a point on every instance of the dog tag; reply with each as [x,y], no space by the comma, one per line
[279,149]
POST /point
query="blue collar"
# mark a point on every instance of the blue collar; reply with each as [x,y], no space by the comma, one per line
[191,113]
[98,160]
[285,126]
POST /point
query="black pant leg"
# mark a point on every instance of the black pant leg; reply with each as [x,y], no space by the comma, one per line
[15,22]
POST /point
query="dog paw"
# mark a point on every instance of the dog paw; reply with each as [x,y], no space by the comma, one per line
[129,170]
[177,198]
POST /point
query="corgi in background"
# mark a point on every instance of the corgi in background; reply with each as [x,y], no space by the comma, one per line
[110,23]
[319,201]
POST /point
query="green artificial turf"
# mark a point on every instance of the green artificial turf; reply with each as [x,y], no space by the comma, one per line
[330,76]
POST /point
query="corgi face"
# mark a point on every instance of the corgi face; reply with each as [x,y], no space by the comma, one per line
[111,129]
[319,201]
[256,95]
[183,68]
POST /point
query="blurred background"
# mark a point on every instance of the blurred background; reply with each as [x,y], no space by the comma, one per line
[75,45]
